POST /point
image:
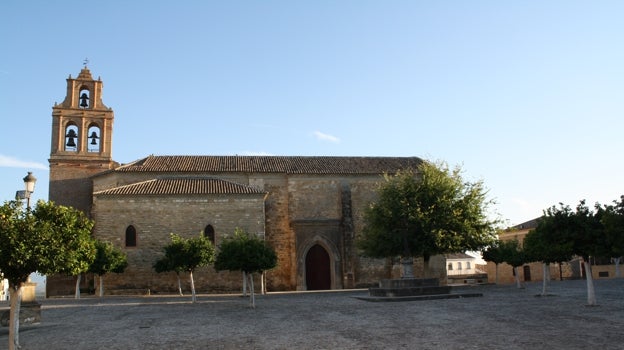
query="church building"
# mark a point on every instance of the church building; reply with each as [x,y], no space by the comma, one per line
[309,209]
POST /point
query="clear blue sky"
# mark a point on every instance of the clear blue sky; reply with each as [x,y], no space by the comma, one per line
[526,95]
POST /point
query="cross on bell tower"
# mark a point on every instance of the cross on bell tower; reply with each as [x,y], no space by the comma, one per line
[82,128]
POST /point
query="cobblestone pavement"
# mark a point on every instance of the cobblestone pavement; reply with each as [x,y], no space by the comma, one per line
[504,318]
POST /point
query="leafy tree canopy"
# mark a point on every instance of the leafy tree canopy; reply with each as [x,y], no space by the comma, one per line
[431,211]
[174,258]
[493,253]
[612,219]
[549,242]
[48,238]
[108,258]
[245,252]
[512,253]
[185,254]
[581,228]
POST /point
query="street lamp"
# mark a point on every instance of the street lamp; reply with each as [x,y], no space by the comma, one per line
[29,183]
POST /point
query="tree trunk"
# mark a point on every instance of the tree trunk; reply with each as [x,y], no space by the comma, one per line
[591,294]
[252,294]
[426,267]
[101,278]
[263,283]
[193,298]
[617,267]
[545,277]
[518,284]
[77,293]
[496,281]
[15,293]
[408,267]
[179,284]
[244,284]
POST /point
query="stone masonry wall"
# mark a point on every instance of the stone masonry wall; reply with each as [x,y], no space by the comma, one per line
[314,197]
[154,218]
[279,234]
[292,201]
[320,199]
[70,184]
[366,271]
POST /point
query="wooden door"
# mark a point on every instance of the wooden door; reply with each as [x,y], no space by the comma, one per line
[317,266]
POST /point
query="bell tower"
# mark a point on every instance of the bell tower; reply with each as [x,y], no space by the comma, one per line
[82,130]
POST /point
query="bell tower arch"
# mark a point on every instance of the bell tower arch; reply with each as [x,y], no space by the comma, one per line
[82,130]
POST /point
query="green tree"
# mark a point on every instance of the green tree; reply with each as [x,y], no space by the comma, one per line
[583,230]
[588,236]
[85,252]
[48,239]
[494,254]
[247,253]
[173,260]
[546,244]
[187,254]
[108,259]
[513,255]
[613,222]
[433,211]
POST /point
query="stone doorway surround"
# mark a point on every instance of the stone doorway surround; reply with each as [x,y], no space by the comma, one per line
[326,234]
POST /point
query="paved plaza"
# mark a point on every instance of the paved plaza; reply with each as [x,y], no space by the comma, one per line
[504,318]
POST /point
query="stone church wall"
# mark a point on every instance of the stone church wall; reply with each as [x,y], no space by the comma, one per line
[319,212]
[279,234]
[314,198]
[366,271]
[154,218]
[70,185]
[297,212]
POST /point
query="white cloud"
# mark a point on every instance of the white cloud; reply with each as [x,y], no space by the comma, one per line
[10,162]
[326,137]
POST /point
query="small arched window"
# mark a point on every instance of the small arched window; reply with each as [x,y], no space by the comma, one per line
[450,266]
[93,144]
[467,265]
[131,236]
[459,265]
[209,233]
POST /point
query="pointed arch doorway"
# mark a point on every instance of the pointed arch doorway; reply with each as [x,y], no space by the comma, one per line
[317,268]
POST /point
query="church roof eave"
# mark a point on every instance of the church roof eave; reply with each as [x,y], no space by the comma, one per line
[271,164]
[182,186]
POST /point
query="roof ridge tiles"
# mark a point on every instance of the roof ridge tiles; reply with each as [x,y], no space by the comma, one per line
[271,164]
[182,185]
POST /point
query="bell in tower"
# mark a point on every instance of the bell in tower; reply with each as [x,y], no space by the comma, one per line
[93,138]
[71,136]
[84,100]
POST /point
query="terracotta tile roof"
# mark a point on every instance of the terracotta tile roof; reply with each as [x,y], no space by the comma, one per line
[526,225]
[271,164]
[459,256]
[182,186]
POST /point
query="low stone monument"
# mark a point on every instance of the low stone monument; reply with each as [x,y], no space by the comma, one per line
[30,309]
[408,289]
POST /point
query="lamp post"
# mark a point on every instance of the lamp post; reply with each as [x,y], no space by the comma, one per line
[28,289]
[29,183]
